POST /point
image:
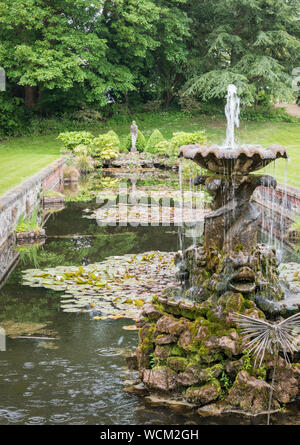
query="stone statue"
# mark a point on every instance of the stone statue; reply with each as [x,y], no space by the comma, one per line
[134,135]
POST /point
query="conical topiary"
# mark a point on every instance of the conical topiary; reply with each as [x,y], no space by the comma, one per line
[154,139]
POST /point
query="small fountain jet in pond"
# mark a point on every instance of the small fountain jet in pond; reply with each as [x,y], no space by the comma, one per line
[230,258]
[232,112]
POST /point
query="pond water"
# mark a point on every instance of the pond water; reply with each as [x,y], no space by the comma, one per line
[78,377]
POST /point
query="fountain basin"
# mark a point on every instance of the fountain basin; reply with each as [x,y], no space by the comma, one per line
[237,161]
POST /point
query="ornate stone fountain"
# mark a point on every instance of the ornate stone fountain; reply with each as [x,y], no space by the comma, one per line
[230,231]
[190,346]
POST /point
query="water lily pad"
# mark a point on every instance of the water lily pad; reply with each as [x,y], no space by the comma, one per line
[131,327]
[117,287]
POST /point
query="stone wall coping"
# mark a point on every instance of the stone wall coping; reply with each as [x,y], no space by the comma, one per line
[291,191]
[15,193]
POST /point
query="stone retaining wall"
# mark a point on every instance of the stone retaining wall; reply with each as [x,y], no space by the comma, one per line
[8,257]
[24,197]
[284,198]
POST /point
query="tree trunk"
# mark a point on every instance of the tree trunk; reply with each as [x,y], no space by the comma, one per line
[169,97]
[31,95]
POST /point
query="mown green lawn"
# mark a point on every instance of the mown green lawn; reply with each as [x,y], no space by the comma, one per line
[21,157]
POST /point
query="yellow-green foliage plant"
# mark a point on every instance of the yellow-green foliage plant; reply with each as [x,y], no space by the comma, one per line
[72,139]
[171,147]
[82,149]
[106,146]
[181,138]
[165,148]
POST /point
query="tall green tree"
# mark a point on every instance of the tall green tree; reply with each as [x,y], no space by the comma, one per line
[129,27]
[148,40]
[47,44]
[252,43]
[168,62]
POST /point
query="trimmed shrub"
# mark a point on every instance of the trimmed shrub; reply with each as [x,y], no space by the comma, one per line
[72,139]
[154,139]
[171,147]
[181,138]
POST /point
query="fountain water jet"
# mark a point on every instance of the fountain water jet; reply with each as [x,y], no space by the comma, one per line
[232,112]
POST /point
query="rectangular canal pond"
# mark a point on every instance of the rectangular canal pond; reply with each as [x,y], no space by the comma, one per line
[66,338]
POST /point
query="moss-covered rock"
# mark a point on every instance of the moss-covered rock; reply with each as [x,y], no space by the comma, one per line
[170,325]
[196,374]
[195,350]
[160,378]
[169,350]
[224,344]
[250,394]
[201,395]
[151,312]
[146,333]
[165,339]
[177,363]
[161,352]
[185,339]
[286,384]
[146,336]
[143,357]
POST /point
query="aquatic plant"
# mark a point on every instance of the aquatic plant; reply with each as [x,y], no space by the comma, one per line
[29,254]
[29,224]
[108,182]
[117,287]
[82,196]
[85,163]
[51,193]
[82,149]
[71,173]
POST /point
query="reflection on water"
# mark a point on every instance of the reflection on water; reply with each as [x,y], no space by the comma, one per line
[78,377]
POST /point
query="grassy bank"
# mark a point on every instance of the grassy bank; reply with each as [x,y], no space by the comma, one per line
[24,156]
